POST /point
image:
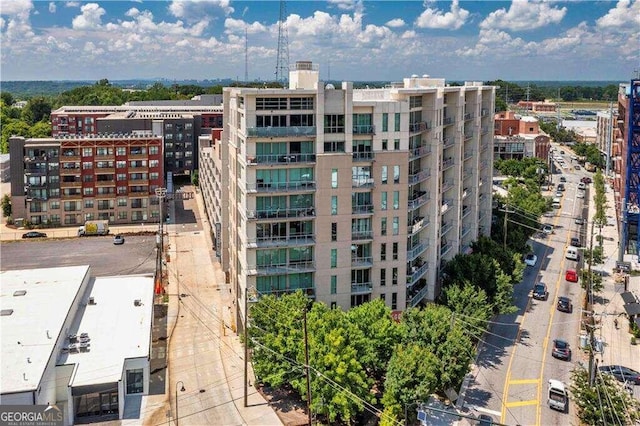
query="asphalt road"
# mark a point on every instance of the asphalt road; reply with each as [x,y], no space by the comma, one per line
[136,256]
[515,362]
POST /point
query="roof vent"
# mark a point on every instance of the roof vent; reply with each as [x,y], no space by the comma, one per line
[137,302]
[6,312]
[20,292]
[330,86]
[92,300]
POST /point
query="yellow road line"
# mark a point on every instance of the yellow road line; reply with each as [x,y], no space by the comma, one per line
[523,381]
[522,403]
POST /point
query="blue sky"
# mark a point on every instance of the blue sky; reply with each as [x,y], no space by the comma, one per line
[351,40]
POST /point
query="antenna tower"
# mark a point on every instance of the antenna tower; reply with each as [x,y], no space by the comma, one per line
[246,56]
[282,65]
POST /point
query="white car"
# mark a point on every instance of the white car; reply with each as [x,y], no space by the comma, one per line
[582,185]
[580,194]
[530,259]
[547,229]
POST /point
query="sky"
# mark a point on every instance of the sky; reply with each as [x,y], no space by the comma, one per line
[349,40]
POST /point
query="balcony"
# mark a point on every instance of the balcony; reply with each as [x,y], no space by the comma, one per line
[465,211]
[415,273]
[414,300]
[446,164]
[447,143]
[362,262]
[281,213]
[364,129]
[419,199]
[446,204]
[39,171]
[465,231]
[72,184]
[138,182]
[468,136]
[446,185]
[417,250]
[484,112]
[107,157]
[467,155]
[446,227]
[361,288]
[465,193]
[361,235]
[281,159]
[445,249]
[139,169]
[362,209]
[280,132]
[106,194]
[138,156]
[362,182]
[447,121]
[307,185]
[366,156]
[70,157]
[278,241]
[419,126]
[419,177]
[418,225]
[468,116]
[69,171]
[104,170]
[484,130]
[420,151]
[284,268]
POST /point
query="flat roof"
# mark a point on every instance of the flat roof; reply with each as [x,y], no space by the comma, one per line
[117,328]
[31,331]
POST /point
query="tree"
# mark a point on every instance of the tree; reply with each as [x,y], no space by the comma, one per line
[473,304]
[195,178]
[5,203]
[13,128]
[36,109]
[41,129]
[7,98]
[605,403]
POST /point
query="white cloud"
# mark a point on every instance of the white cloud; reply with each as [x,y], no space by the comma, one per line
[524,15]
[72,4]
[20,8]
[395,23]
[436,19]
[626,13]
[132,13]
[2,22]
[237,26]
[90,19]
[343,4]
[197,8]
[52,7]
[409,34]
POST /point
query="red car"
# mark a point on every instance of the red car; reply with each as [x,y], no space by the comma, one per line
[571,276]
[586,180]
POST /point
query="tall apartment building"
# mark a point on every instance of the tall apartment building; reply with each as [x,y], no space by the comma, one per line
[627,165]
[180,123]
[352,195]
[73,179]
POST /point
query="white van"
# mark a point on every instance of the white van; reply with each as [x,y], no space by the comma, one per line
[556,203]
[572,253]
[557,396]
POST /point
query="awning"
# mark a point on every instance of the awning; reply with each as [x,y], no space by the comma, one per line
[628,297]
[632,309]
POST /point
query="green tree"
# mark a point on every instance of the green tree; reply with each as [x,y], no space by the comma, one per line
[36,109]
[7,98]
[6,206]
[13,128]
[473,304]
[41,129]
[195,178]
[605,403]
[594,278]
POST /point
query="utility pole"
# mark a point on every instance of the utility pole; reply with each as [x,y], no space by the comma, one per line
[306,361]
[506,216]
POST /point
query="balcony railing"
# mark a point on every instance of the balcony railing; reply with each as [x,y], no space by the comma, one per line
[285,240]
[419,126]
[418,297]
[364,129]
[468,136]
[420,151]
[42,171]
[447,163]
[447,142]
[363,156]
[485,130]
[465,193]
[106,170]
[417,250]
[361,235]
[306,185]
[362,209]
[446,227]
[418,200]
[361,288]
[418,225]
[419,177]
[468,154]
[468,116]
[447,121]
[446,204]
[445,249]
[281,213]
[362,182]
[366,261]
[465,231]
[138,182]
[63,184]
[415,273]
[66,171]
[280,158]
[465,211]
[446,185]
[261,132]
[284,268]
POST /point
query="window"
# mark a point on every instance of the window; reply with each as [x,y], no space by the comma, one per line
[135,382]
[87,165]
[334,284]
[396,174]
[394,276]
[154,163]
[396,122]
[396,144]
[383,297]
[121,176]
[271,121]
[121,164]
[394,301]
[396,225]
[271,103]
[395,251]
[334,258]
[334,305]
[415,101]
[383,277]
[383,201]
[122,202]
[154,150]
[384,175]
[383,226]
[383,251]
[301,103]
[122,215]
[334,178]
[88,204]
[385,122]
[88,191]
[87,152]
[334,231]
[334,204]
[334,146]
[385,144]
[301,120]
[121,150]
[334,123]
[396,200]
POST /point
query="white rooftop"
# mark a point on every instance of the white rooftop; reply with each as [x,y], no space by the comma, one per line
[117,328]
[30,332]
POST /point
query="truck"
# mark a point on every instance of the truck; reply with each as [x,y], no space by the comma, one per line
[557,397]
[94,227]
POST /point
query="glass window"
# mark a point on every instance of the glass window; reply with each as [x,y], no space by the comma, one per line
[334,305]
[385,122]
[384,175]
[396,225]
[336,146]
[334,231]
[394,300]
[396,200]
[383,277]
[334,123]
[395,251]
[396,174]
[396,122]
[135,382]
[153,150]
[385,144]
[383,226]
[334,204]
[334,178]
[383,251]
[394,276]
[396,144]
[334,258]
[334,284]
[121,150]
[383,201]
[87,152]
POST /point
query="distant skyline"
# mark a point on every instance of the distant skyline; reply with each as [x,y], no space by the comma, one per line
[349,40]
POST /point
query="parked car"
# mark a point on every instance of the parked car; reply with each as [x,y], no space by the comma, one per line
[34,234]
[531,259]
[621,373]
[580,193]
[540,291]
[577,167]
[118,239]
[560,187]
[582,185]
[571,276]
[564,304]
[579,221]
[563,179]
[558,194]
[561,350]
[562,152]
[547,229]
[575,241]
[586,180]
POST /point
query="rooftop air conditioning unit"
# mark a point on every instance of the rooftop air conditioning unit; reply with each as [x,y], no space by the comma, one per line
[92,300]
[137,302]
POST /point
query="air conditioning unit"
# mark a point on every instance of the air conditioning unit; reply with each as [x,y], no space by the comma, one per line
[137,302]
[92,300]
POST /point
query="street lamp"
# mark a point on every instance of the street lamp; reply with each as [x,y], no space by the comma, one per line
[182,389]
